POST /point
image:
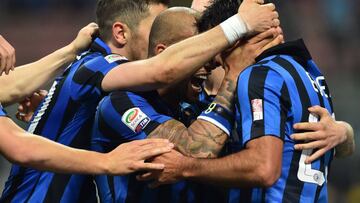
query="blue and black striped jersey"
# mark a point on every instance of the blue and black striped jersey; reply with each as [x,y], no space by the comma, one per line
[123,117]
[2,111]
[65,116]
[272,95]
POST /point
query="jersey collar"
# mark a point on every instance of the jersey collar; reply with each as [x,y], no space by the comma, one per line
[100,46]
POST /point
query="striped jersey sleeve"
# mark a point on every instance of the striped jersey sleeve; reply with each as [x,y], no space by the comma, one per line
[87,80]
[261,103]
[2,111]
[128,116]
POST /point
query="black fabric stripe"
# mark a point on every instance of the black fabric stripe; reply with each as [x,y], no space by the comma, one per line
[151,127]
[245,196]
[60,181]
[70,111]
[257,79]
[263,195]
[238,125]
[86,76]
[319,188]
[98,48]
[110,181]
[121,102]
[135,190]
[164,194]
[285,106]
[293,185]
[88,191]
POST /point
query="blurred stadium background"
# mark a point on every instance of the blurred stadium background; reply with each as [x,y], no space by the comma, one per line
[331,29]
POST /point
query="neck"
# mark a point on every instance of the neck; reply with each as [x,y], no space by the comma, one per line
[121,50]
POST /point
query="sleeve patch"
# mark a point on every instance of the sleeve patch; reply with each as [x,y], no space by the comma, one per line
[114,57]
[135,119]
[257,109]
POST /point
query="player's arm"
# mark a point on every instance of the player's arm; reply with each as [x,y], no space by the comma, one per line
[325,135]
[206,136]
[30,150]
[261,118]
[183,59]
[26,79]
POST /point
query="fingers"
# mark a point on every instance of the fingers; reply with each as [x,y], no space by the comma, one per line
[322,112]
[7,56]
[146,176]
[310,145]
[3,59]
[269,34]
[256,1]
[151,166]
[152,152]
[308,126]
[270,6]
[150,141]
[278,40]
[307,136]
[316,155]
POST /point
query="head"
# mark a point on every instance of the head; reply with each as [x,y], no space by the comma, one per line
[217,12]
[125,24]
[170,27]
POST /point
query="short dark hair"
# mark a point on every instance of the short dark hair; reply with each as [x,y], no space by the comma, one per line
[130,12]
[217,12]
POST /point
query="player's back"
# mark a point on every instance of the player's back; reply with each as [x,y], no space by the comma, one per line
[286,81]
[65,116]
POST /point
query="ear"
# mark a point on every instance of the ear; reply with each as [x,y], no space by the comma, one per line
[159,48]
[121,33]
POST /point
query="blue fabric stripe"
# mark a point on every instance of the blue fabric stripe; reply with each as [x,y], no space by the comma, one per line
[272,108]
[245,107]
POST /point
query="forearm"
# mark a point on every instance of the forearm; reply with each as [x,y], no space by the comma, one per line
[348,147]
[175,63]
[40,153]
[236,170]
[26,79]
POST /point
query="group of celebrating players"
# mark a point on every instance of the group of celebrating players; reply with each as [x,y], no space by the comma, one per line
[234,113]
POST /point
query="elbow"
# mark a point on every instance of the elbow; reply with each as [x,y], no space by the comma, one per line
[268,174]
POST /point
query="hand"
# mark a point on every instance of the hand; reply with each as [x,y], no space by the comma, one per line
[174,163]
[7,56]
[27,108]
[130,157]
[258,18]
[324,135]
[84,37]
[244,53]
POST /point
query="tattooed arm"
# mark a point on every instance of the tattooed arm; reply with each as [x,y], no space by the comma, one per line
[203,139]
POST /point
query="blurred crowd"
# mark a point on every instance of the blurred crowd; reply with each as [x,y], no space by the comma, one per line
[330,28]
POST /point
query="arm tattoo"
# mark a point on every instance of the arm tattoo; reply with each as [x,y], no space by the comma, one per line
[202,139]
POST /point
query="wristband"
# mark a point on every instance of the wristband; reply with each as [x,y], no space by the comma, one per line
[234,28]
[218,116]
